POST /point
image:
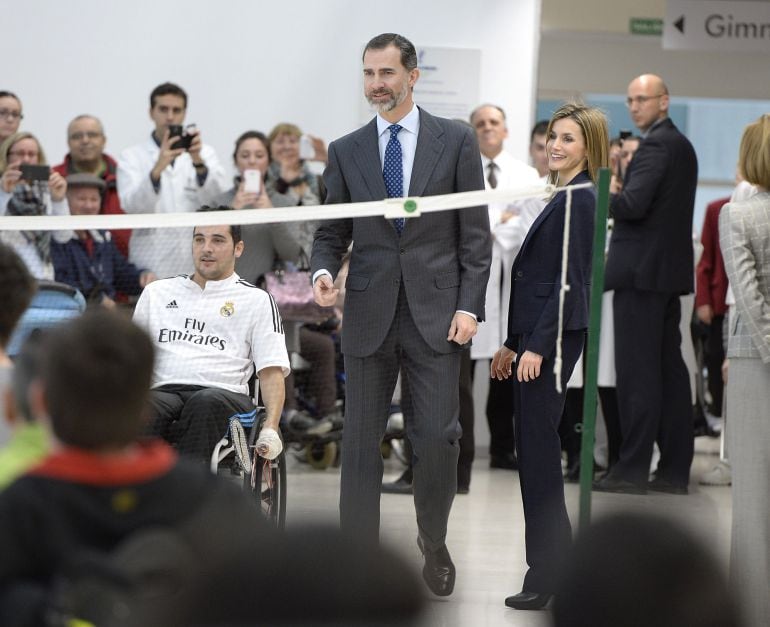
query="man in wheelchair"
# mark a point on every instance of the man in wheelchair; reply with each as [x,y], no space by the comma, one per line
[211,331]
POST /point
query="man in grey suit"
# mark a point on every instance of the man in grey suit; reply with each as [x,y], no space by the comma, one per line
[414,295]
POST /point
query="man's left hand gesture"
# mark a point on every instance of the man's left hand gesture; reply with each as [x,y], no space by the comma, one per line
[462,329]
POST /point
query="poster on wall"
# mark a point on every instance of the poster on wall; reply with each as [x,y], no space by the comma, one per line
[448,85]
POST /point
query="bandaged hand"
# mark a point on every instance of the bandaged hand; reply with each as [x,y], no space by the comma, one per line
[269,443]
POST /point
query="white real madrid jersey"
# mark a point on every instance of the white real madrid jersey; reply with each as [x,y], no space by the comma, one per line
[213,336]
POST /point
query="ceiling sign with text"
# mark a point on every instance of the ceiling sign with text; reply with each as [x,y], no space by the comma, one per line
[717,25]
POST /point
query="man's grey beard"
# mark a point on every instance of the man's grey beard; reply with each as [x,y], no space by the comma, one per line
[389,105]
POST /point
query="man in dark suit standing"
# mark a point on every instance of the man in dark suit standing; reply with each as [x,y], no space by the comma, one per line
[650,264]
[414,295]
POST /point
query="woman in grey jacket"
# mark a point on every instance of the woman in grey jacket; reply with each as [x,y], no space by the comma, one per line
[263,243]
[744,229]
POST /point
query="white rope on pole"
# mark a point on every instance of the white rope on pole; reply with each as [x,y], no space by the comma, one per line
[563,289]
[392,207]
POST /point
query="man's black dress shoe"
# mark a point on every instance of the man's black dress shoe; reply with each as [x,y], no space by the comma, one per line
[439,571]
[621,486]
[661,485]
[505,462]
[402,485]
[528,600]
[399,486]
[463,489]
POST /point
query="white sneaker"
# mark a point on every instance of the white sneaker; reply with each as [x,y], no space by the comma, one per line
[300,422]
[719,475]
[715,422]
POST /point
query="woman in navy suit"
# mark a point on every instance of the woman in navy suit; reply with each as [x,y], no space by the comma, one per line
[577,146]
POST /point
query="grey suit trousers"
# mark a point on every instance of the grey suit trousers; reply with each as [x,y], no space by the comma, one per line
[748,403]
[434,432]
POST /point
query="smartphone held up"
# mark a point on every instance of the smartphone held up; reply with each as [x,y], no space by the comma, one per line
[185,135]
[252,181]
[306,148]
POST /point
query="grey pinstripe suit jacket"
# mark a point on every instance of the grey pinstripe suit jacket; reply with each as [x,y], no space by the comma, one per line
[744,236]
[441,258]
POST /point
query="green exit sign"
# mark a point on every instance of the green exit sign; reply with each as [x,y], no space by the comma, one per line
[646,26]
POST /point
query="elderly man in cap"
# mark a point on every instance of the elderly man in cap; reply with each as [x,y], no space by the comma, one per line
[90,261]
[86,141]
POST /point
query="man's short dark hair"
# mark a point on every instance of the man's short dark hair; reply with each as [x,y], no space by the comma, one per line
[408,53]
[235,229]
[168,89]
[9,94]
[17,286]
[96,373]
[646,562]
[540,128]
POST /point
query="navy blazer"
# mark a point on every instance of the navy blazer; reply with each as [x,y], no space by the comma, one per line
[536,273]
[651,243]
[106,272]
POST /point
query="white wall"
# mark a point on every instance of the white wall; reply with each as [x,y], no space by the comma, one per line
[244,64]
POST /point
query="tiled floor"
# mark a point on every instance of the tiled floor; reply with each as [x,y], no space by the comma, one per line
[486,530]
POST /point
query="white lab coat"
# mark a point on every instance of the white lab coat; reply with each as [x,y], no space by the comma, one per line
[605,376]
[507,238]
[165,251]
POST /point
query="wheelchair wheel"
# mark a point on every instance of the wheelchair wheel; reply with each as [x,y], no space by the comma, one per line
[321,456]
[397,447]
[267,482]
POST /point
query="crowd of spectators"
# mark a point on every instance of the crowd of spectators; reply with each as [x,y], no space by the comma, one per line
[171,171]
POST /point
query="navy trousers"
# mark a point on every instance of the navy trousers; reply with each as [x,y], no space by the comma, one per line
[538,411]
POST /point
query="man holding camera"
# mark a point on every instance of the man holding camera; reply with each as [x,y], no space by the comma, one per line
[171,172]
[86,140]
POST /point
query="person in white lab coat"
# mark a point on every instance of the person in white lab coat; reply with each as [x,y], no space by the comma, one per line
[509,224]
[168,173]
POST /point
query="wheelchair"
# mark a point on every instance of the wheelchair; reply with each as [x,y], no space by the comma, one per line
[264,479]
[319,451]
[395,433]
[52,304]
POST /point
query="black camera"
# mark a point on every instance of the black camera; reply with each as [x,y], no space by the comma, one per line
[624,135]
[185,138]
[30,172]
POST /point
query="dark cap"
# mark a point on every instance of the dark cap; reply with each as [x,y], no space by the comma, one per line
[82,179]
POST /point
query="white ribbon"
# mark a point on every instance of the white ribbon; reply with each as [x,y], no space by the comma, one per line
[425,204]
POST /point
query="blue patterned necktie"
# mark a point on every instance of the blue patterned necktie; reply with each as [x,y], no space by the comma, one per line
[393,171]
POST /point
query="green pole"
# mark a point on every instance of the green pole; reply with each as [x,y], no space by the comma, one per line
[592,347]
